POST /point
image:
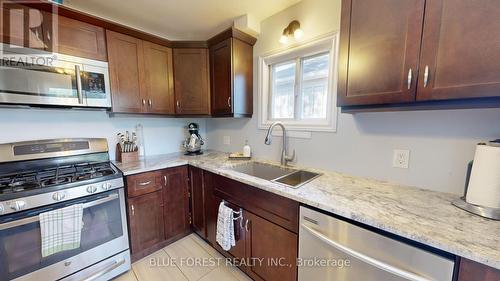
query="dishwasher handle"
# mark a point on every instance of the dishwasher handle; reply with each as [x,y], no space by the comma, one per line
[364,258]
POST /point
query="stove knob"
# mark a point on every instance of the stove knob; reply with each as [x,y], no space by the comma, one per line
[91,189]
[17,205]
[106,186]
[58,196]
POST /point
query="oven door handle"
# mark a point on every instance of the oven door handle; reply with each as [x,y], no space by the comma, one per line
[114,265]
[33,219]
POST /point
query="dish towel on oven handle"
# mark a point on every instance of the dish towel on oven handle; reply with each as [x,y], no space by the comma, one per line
[225,227]
[61,229]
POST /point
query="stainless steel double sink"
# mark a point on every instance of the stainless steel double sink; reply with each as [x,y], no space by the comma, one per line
[287,176]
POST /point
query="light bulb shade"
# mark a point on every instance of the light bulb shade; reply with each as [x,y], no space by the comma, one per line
[298,33]
[283,39]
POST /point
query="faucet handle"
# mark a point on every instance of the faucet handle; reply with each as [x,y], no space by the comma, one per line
[290,158]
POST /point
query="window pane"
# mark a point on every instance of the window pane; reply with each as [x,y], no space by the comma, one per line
[315,71]
[283,89]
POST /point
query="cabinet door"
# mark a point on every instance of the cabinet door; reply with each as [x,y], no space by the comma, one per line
[460,50]
[275,246]
[159,78]
[77,38]
[470,270]
[191,76]
[239,251]
[126,69]
[176,201]
[197,201]
[23,26]
[146,221]
[379,51]
[221,77]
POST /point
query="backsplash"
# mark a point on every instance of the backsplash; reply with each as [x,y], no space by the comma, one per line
[162,135]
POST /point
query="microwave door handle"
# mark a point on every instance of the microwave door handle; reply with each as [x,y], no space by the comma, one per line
[364,258]
[35,218]
[78,84]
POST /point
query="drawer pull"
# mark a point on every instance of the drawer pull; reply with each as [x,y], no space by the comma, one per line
[144,183]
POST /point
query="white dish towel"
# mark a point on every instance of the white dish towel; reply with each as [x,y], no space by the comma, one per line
[61,229]
[225,227]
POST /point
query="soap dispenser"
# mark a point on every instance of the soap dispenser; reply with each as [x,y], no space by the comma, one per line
[247,150]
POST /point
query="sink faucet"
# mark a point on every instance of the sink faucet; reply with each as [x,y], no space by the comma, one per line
[284,157]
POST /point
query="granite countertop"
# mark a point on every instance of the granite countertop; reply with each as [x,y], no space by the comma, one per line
[417,214]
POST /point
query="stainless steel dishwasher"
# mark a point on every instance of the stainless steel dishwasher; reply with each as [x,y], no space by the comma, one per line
[333,249]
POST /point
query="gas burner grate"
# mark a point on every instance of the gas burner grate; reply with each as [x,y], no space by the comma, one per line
[54,176]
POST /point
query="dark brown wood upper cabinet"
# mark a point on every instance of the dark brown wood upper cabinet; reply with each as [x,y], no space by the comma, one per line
[159,80]
[145,221]
[460,50]
[192,85]
[77,38]
[126,70]
[450,50]
[231,70]
[23,26]
[140,74]
[379,51]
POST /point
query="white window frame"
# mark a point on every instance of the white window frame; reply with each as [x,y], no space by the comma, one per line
[328,44]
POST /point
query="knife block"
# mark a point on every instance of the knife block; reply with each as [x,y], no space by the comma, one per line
[126,157]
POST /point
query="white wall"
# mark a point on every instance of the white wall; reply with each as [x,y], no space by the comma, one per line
[441,142]
[162,135]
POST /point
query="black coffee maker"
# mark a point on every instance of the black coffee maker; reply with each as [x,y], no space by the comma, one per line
[193,143]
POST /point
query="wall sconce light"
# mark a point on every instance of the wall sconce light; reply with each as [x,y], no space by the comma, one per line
[292,29]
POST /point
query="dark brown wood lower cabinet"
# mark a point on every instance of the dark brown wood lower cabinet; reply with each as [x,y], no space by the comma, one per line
[473,271]
[176,201]
[197,202]
[274,247]
[158,209]
[145,221]
[269,238]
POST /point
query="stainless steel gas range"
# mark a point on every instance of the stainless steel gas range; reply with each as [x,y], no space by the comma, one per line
[40,176]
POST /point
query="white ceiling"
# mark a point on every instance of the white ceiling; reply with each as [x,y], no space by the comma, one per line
[180,19]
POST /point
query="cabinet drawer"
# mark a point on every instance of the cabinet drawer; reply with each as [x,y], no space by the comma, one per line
[143,183]
[275,208]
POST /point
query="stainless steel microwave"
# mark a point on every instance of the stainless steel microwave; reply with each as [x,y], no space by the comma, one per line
[52,79]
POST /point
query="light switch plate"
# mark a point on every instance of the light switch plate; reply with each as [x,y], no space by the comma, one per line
[226,140]
[401,158]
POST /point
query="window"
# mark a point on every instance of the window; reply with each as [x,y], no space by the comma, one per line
[298,87]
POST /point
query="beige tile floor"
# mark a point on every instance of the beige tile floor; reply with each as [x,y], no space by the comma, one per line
[190,258]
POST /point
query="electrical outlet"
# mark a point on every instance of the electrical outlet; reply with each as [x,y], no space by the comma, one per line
[401,158]
[226,140]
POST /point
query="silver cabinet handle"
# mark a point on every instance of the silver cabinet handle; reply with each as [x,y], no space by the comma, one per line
[165,180]
[426,76]
[143,102]
[229,101]
[150,103]
[78,84]
[144,183]
[366,259]
[178,104]
[246,226]
[133,210]
[410,77]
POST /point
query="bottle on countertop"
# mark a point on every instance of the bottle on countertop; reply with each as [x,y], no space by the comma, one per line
[247,150]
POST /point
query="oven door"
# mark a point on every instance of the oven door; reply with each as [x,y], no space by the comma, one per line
[104,234]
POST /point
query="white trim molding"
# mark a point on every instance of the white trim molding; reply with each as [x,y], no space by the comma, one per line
[328,43]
